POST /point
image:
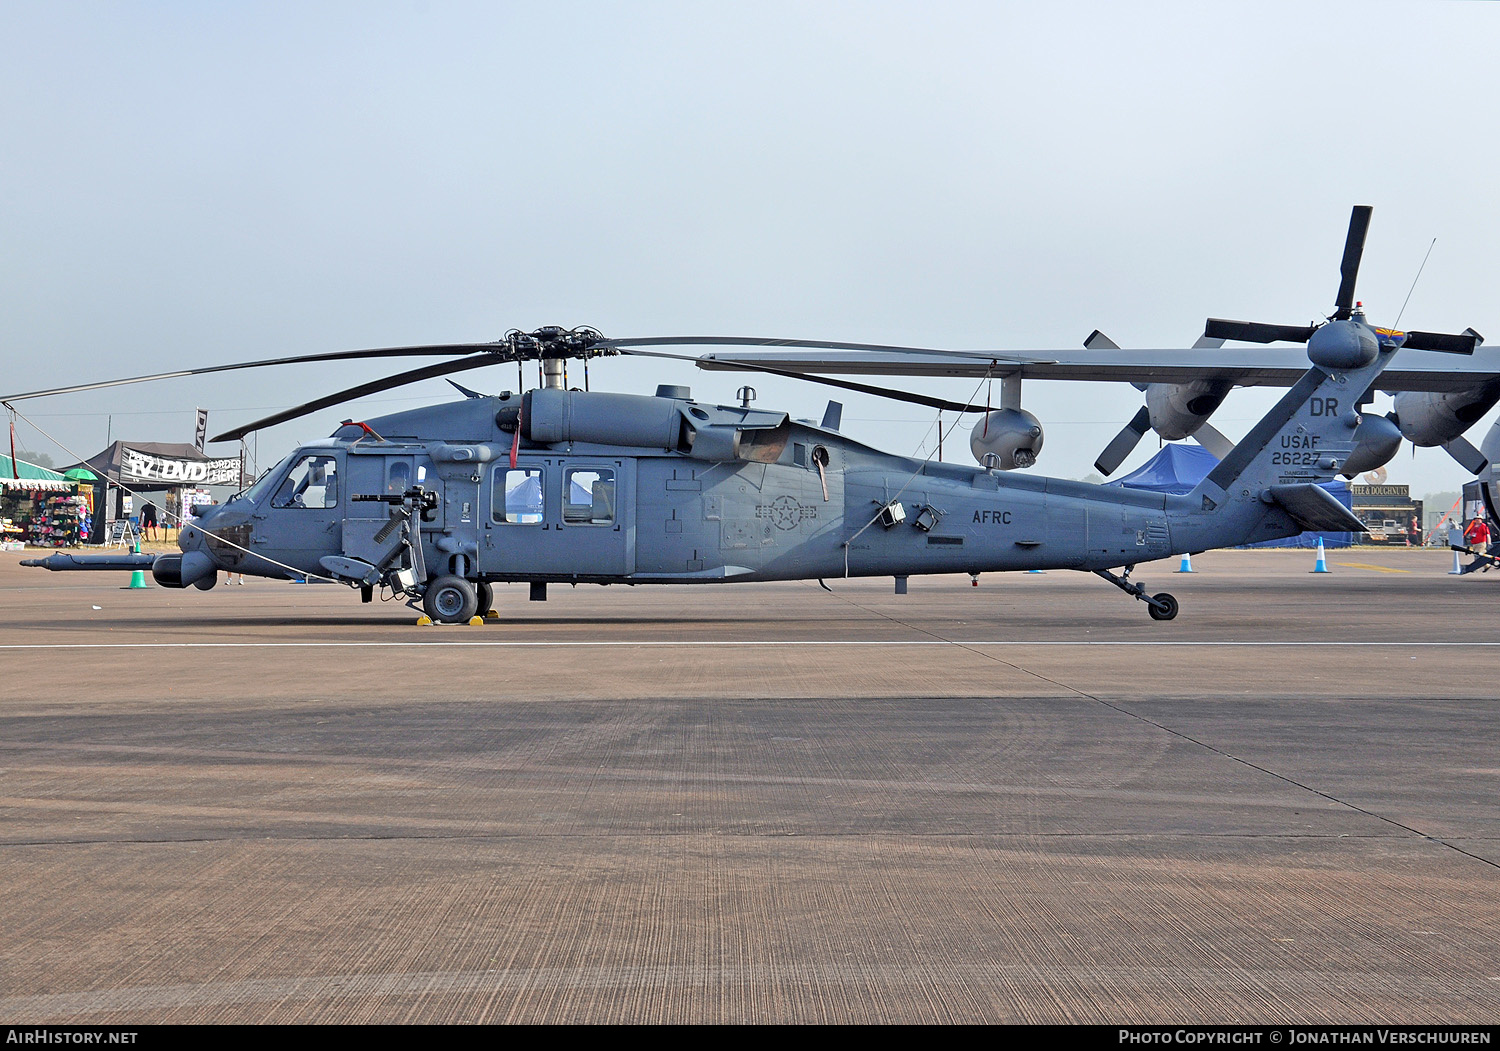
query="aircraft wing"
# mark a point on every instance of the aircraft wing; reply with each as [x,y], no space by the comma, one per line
[1246,366]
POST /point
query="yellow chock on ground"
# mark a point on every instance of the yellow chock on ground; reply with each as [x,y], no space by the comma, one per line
[490,614]
[424,621]
[476,622]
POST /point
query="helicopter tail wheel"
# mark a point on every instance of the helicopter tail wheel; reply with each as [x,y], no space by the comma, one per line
[1162,607]
[450,600]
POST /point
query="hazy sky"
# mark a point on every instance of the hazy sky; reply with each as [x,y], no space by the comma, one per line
[203,183]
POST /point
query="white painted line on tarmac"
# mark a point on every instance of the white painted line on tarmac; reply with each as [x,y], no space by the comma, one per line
[710,644]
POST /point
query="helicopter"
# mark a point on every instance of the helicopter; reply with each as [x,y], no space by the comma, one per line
[436,505]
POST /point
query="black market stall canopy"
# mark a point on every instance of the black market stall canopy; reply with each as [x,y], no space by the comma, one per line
[155,465]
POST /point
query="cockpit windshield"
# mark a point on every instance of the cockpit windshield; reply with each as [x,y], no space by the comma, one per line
[264,483]
[312,483]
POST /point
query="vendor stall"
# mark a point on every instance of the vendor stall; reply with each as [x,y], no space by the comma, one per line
[43,508]
[159,473]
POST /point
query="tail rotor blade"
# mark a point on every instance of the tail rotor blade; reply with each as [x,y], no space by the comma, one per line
[1255,332]
[1354,248]
[1464,343]
[1123,443]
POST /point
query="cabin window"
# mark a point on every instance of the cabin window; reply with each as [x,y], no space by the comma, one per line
[589,496]
[517,496]
[313,483]
[398,477]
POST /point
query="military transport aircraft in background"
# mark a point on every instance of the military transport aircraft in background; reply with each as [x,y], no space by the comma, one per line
[1437,398]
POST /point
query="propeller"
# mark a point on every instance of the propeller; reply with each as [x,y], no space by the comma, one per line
[1344,307]
[1122,444]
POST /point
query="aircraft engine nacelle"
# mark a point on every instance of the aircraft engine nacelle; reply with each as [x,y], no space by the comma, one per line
[1179,409]
[1376,441]
[668,421]
[1429,418]
[1013,437]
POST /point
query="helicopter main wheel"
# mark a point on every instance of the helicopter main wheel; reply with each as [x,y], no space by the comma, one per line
[1166,611]
[450,600]
[486,597]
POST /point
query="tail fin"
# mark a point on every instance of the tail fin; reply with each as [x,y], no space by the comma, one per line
[1303,441]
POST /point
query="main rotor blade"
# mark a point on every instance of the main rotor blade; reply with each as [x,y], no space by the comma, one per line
[442,368]
[1465,343]
[337,355]
[1354,248]
[1124,443]
[863,388]
[808,344]
[1255,332]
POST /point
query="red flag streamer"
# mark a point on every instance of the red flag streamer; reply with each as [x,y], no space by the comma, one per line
[515,443]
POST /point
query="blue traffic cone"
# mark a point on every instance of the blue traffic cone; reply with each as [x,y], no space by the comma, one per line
[138,577]
[1322,564]
[1187,563]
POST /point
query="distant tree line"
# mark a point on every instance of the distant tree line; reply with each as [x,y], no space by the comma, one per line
[40,459]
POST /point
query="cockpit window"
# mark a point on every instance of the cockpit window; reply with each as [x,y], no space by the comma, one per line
[312,483]
[264,482]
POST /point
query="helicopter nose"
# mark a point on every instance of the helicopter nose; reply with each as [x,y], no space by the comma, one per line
[193,568]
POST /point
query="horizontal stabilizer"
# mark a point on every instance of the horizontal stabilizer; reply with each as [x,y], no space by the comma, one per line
[1313,507]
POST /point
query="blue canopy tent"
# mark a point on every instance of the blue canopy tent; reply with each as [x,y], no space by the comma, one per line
[1180,467]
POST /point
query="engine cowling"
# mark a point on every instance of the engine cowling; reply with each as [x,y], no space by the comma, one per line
[1013,437]
[1429,418]
[1376,441]
[1179,409]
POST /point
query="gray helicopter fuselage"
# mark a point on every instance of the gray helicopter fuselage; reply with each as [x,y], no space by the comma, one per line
[779,500]
[570,486]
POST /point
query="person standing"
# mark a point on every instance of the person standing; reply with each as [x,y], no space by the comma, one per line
[1477,537]
[1477,533]
[148,520]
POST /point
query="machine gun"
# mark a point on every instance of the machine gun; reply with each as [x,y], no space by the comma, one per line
[413,499]
[380,556]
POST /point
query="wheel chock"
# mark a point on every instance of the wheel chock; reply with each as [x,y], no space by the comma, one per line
[476,622]
[491,614]
[424,621]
